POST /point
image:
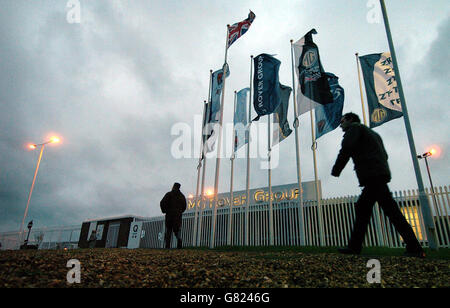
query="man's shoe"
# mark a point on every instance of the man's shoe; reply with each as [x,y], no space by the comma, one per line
[347,251]
[415,254]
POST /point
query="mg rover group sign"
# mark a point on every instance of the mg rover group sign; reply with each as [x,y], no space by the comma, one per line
[281,193]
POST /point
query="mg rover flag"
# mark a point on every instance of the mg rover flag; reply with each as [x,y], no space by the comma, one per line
[238,29]
[381,88]
[266,93]
[281,129]
[328,117]
[216,91]
[213,115]
[240,119]
[313,88]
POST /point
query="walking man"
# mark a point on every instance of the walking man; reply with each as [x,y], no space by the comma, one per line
[173,205]
[366,149]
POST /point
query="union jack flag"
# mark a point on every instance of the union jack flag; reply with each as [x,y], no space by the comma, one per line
[238,29]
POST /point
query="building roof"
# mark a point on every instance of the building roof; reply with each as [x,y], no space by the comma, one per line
[117,218]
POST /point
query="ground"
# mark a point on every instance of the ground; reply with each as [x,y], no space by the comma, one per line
[221,268]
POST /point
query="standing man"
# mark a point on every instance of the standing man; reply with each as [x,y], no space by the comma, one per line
[366,149]
[173,205]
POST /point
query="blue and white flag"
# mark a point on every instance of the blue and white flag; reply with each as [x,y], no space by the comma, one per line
[281,129]
[313,88]
[328,117]
[216,91]
[241,136]
[266,93]
[213,115]
[383,98]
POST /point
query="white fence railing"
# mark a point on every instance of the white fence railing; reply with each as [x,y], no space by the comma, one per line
[44,238]
[338,215]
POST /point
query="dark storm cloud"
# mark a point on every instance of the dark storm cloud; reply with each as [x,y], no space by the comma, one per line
[110,161]
[114,85]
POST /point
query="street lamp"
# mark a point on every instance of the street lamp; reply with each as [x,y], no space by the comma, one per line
[53,139]
[424,156]
[30,225]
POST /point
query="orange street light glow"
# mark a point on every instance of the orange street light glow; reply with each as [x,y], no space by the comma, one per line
[209,192]
[190,196]
[32,146]
[435,151]
[55,140]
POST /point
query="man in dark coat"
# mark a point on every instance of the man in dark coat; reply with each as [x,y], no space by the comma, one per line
[366,149]
[173,205]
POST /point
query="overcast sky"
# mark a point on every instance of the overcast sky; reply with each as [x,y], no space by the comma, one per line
[114,85]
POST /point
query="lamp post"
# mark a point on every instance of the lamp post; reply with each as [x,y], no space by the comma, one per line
[33,147]
[424,156]
[30,225]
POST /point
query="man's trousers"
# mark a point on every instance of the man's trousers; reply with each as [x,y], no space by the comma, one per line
[379,192]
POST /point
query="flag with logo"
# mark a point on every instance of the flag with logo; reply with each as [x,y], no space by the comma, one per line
[266,85]
[281,128]
[213,115]
[383,98]
[313,88]
[241,136]
[328,117]
[238,29]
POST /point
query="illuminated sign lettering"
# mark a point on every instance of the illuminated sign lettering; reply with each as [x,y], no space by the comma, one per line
[259,195]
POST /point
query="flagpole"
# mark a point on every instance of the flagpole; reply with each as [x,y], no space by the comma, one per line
[318,196]
[377,209]
[230,220]
[360,90]
[248,154]
[430,227]
[216,182]
[297,148]
[202,204]
[208,111]
[269,154]
[199,167]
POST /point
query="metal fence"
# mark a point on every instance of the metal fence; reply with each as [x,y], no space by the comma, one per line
[44,238]
[338,215]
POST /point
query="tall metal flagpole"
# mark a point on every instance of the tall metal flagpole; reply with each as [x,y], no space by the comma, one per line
[430,227]
[377,209]
[248,154]
[269,154]
[360,90]
[202,203]
[318,196]
[199,167]
[199,232]
[219,148]
[297,148]
[230,220]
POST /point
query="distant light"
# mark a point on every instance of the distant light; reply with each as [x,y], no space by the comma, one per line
[32,146]
[209,192]
[55,140]
[190,196]
[435,151]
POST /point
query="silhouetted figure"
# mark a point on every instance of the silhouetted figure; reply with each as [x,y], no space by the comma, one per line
[173,205]
[366,149]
